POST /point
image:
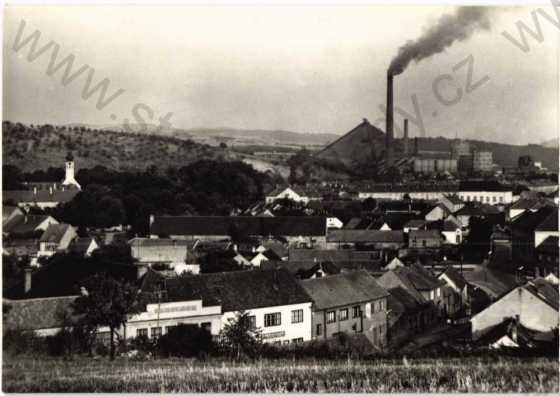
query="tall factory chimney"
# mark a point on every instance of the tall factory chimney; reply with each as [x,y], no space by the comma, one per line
[389,121]
[405,137]
[415,146]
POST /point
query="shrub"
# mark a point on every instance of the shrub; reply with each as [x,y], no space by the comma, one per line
[60,344]
[186,341]
[21,342]
[142,343]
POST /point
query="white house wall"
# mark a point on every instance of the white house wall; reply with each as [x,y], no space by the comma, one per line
[533,313]
[286,331]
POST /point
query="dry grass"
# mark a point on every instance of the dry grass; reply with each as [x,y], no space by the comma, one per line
[427,375]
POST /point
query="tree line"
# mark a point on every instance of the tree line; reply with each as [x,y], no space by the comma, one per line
[110,198]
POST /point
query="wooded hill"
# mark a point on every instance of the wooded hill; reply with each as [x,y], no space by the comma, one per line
[32,147]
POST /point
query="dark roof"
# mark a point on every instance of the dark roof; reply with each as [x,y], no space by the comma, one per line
[485,185]
[455,277]
[343,289]
[55,232]
[302,269]
[160,242]
[7,211]
[38,313]
[413,278]
[472,209]
[40,196]
[529,221]
[81,245]
[332,255]
[226,225]
[544,291]
[365,236]
[454,199]
[449,225]
[492,282]
[24,223]
[530,203]
[414,223]
[549,246]
[425,234]
[400,301]
[238,290]
[550,223]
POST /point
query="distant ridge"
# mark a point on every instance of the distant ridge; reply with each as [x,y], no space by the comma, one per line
[366,143]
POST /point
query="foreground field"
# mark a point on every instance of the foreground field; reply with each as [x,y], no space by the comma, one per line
[427,375]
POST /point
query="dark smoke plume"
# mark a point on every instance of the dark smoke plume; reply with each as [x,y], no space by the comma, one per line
[458,26]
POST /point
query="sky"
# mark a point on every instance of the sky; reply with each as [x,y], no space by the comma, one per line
[312,69]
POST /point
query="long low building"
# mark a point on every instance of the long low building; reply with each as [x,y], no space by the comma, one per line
[304,231]
[478,191]
[274,300]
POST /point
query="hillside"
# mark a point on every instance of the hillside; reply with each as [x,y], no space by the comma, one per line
[232,136]
[41,147]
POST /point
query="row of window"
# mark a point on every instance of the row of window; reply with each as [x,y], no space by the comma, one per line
[156,332]
[483,198]
[286,342]
[376,306]
[275,318]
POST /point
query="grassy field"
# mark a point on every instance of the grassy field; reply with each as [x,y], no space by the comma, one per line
[173,375]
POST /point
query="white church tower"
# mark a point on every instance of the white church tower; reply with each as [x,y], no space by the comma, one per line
[69,179]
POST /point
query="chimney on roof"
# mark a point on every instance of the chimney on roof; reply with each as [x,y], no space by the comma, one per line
[389,121]
[405,137]
[27,280]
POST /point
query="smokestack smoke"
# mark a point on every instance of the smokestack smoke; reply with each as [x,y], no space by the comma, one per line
[389,121]
[450,28]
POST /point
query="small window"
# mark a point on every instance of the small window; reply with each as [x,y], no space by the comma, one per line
[206,326]
[272,319]
[438,291]
[343,314]
[356,311]
[297,316]
[319,329]
[155,332]
[252,322]
[432,295]
[494,199]
[297,340]
[142,333]
[286,342]
[501,199]
[331,316]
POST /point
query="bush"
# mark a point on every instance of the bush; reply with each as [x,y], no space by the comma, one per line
[21,342]
[185,341]
[60,344]
[142,343]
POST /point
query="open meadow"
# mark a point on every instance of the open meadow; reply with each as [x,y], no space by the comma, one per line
[504,374]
